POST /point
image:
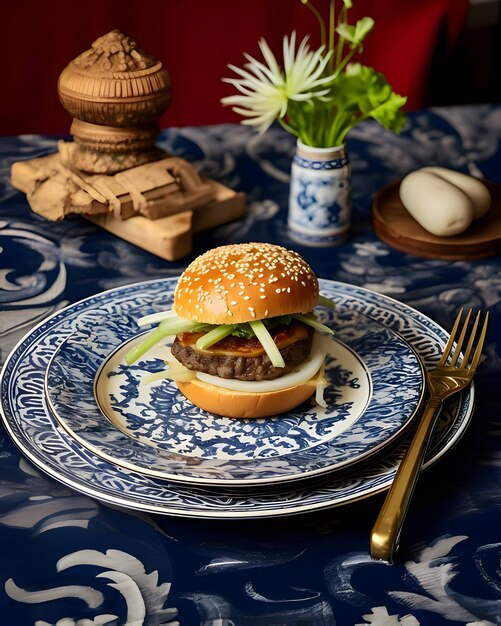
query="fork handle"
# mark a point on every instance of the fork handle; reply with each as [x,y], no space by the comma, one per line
[386,530]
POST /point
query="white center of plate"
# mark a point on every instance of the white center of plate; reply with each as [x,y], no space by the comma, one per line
[136,408]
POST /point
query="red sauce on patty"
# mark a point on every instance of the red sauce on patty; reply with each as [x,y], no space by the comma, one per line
[283,336]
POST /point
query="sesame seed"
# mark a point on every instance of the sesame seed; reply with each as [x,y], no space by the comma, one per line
[245,266]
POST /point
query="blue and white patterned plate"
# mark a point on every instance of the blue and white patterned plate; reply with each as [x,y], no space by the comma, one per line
[40,437]
[376,384]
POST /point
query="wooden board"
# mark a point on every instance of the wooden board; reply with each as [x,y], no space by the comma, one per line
[168,214]
[170,237]
[396,227]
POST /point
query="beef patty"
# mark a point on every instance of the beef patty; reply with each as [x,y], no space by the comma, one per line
[243,368]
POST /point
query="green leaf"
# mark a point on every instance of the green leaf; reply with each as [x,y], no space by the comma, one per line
[361,92]
[273,322]
[243,330]
[388,113]
[376,97]
[346,32]
[356,34]
[363,28]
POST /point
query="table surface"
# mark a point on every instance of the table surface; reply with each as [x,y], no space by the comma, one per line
[69,559]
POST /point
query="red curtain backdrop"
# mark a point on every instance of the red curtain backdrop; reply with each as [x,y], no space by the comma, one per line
[196,39]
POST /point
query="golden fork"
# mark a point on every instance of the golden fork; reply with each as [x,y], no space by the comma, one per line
[454,372]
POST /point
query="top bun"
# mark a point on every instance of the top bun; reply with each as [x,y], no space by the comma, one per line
[245,282]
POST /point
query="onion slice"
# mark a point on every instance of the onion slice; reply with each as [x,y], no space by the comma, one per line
[170,373]
[300,375]
[321,384]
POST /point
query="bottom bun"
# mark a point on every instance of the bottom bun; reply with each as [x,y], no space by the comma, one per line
[230,403]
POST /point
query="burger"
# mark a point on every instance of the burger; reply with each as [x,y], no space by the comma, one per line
[246,343]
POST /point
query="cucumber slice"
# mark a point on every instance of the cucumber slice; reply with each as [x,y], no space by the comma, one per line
[313,323]
[268,344]
[323,301]
[214,335]
[170,326]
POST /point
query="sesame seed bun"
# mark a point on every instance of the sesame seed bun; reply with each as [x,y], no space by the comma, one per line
[239,404]
[245,282]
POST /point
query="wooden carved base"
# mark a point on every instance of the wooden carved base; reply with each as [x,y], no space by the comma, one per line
[156,206]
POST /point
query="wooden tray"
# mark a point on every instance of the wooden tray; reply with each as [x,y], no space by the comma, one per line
[162,226]
[396,227]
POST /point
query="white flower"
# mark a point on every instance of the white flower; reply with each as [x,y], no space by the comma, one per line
[267,88]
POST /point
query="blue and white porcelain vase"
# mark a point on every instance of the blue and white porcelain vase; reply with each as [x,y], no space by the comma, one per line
[320,195]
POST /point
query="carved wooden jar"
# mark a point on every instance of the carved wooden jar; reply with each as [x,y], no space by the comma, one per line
[115,93]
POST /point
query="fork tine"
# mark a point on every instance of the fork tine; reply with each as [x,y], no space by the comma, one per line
[449,344]
[480,344]
[459,344]
[466,353]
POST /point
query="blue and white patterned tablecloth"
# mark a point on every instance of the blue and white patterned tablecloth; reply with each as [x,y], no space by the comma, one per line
[68,559]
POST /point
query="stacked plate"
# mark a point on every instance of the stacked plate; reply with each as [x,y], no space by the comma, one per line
[117,433]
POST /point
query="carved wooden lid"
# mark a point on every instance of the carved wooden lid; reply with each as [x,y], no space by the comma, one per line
[115,83]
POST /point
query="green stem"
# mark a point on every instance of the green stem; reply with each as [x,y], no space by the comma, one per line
[340,46]
[336,128]
[320,20]
[288,128]
[332,12]
[324,125]
[350,125]
[310,125]
[345,62]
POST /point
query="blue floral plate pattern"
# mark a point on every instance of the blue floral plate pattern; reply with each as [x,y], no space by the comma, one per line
[375,386]
[39,435]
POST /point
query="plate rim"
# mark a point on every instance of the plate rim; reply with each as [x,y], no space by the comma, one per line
[132,503]
[130,465]
[460,421]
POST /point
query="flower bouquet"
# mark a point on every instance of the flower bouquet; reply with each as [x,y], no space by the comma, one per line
[318,95]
